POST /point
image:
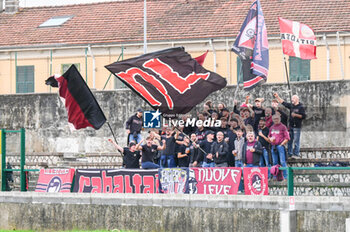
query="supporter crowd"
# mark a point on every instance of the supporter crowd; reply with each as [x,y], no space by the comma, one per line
[259,135]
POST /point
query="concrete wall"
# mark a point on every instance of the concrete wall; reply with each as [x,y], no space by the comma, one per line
[44,116]
[41,211]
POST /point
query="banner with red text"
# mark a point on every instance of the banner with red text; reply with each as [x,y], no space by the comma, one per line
[256,181]
[55,180]
[116,181]
[214,180]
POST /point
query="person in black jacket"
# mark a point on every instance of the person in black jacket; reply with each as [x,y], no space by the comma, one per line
[131,158]
[134,127]
[220,150]
[252,150]
[297,115]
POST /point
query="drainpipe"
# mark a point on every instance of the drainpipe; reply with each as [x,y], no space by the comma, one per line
[16,71]
[86,73]
[214,52]
[145,26]
[93,68]
[340,56]
[327,56]
[228,61]
[50,66]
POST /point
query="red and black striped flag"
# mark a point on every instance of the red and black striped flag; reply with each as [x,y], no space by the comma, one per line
[169,80]
[82,107]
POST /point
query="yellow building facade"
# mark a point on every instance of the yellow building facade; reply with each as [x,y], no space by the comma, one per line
[332,63]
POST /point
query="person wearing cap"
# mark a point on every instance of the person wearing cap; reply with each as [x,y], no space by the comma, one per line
[131,157]
[167,158]
[225,113]
[149,149]
[208,159]
[134,127]
[258,110]
[247,114]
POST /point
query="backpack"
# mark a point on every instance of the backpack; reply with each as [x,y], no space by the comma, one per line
[276,172]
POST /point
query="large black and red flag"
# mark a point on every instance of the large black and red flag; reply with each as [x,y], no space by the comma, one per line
[252,47]
[82,107]
[169,80]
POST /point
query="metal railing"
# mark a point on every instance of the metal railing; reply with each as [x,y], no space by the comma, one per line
[22,170]
[290,175]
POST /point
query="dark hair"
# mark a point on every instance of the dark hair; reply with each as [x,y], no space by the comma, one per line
[223,119]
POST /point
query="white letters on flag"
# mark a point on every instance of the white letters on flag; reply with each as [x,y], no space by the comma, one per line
[298,39]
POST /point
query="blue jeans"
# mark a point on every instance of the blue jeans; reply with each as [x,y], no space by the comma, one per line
[238,164]
[250,166]
[208,165]
[132,139]
[149,165]
[294,134]
[264,160]
[279,155]
[167,161]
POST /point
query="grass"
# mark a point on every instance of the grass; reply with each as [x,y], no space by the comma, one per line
[115,230]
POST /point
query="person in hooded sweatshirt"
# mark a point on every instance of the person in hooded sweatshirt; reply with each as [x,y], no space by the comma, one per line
[297,115]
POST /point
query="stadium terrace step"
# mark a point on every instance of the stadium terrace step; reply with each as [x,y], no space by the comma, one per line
[325,152]
[30,165]
[87,165]
[311,162]
[325,156]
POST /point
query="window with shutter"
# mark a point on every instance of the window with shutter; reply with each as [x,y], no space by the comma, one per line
[118,84]
[65,67]
[299,69]
[25,79]
[239,71]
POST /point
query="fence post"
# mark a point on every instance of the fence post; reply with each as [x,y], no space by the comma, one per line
[290,183]
[3,160]
[23,161]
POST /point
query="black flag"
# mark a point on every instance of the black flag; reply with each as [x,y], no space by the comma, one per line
[82,107]
[169,80]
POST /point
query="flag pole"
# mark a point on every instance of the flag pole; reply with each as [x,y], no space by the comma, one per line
[237,87]
[145,26]
[112,132]
[190,139]
[285,67]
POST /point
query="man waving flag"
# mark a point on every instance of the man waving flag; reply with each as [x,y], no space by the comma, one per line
[298,39]
[252,47]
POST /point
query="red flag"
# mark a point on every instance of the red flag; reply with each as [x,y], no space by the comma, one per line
[55,180]
[82,107]
[200,59]
[298,39]
[256,181]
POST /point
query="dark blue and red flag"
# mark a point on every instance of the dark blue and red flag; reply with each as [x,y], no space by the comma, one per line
[169,80]
[82,107]
[252,47]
